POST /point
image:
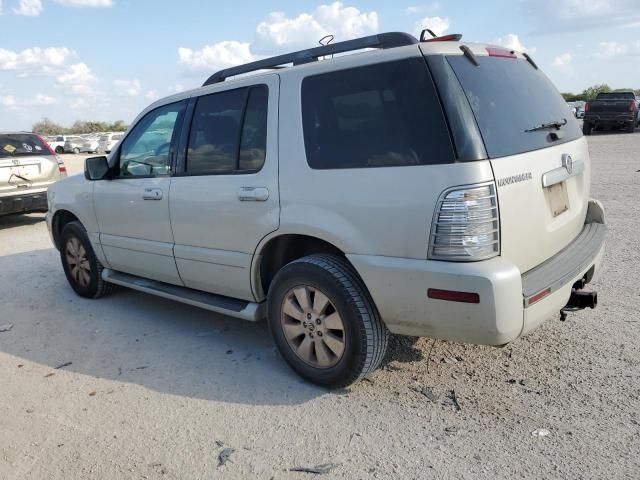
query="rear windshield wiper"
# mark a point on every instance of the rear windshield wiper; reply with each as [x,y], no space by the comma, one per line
[546,126]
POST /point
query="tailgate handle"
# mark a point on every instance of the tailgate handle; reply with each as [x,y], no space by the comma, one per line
[570,168]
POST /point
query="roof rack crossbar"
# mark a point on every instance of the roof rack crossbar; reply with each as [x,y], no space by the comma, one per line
[381,40]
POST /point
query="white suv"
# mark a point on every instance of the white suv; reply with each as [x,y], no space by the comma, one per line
[431,188]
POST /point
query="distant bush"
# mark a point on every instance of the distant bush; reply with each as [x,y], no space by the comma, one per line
[48,127]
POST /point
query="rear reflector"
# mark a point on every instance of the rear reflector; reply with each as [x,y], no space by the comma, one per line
[501,52]
[453,296]
[538,296]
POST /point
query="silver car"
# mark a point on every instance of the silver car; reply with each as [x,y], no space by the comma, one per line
[73,144]
[28,165]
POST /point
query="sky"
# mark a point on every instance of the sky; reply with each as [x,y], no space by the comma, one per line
[106,60]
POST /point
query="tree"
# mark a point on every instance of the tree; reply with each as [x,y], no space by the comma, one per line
[593,91]
[47,127]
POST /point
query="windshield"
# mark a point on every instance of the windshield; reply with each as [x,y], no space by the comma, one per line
[509,99]
[21,145]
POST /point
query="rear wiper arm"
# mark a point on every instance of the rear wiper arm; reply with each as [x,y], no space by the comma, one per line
[546,126]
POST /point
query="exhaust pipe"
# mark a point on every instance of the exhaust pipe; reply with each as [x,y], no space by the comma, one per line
[580,299]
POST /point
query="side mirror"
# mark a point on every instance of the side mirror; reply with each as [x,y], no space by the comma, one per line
[96,168]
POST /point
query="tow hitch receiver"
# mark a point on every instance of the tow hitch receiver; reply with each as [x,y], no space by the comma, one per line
[579,300]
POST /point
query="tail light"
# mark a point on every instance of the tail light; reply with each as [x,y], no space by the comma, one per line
[632,106]
[466,225]
[587,106]
[62,168]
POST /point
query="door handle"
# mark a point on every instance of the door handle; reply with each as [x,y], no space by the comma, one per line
[152,194]
[253,194]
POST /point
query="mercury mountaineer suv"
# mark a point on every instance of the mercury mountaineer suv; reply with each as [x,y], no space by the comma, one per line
[432,188]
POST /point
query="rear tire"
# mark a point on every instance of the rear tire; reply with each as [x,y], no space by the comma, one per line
[76,150]
[334,336]
[80,264]
[59,150]
[587,128]
[630,128]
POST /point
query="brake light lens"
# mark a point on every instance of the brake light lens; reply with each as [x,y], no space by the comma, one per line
[587,106]
[501,52]
[62,168]
[466,225]
[632,106]
[454,37]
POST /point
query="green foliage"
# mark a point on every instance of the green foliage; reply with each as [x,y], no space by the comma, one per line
[593,91]
[48,127]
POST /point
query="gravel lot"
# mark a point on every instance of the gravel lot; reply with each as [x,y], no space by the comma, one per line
[157,389]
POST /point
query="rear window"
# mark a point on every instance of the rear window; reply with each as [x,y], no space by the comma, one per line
[21,145]
[383,115]
[616,96]
[509,96]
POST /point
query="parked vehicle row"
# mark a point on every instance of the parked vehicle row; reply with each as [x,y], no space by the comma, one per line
[86,143]
[428,188]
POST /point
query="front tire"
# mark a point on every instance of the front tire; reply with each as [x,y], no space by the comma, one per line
[76,150]
[81,266]
[324,321]
[59,150]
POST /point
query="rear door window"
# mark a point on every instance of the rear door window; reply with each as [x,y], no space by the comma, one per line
[21,145]
[383,115]
[228,132]
[508,96]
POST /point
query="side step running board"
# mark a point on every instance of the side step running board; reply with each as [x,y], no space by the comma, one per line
[216,303]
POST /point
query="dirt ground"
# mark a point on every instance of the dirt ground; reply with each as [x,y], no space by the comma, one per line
[154,389]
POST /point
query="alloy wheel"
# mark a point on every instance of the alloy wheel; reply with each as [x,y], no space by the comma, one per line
[78,262]
[313,326]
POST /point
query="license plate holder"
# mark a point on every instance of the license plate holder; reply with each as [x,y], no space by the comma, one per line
[558,198]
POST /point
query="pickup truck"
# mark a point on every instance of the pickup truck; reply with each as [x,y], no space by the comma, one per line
[611,110]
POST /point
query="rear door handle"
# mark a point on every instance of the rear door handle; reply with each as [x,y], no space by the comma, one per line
[152,194]
[253,194]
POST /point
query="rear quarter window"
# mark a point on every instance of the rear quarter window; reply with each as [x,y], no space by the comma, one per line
[509,96]
[383,115]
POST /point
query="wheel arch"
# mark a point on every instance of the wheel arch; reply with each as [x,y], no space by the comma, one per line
[277,251]
[60,219]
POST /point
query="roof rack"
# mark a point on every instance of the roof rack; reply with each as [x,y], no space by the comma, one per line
[381,40]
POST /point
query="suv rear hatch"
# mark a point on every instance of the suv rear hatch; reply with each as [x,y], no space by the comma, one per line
[539,158]
[26,164]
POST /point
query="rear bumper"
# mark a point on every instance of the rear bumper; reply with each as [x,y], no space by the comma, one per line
[23,203]
[610,118]
[399,287]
